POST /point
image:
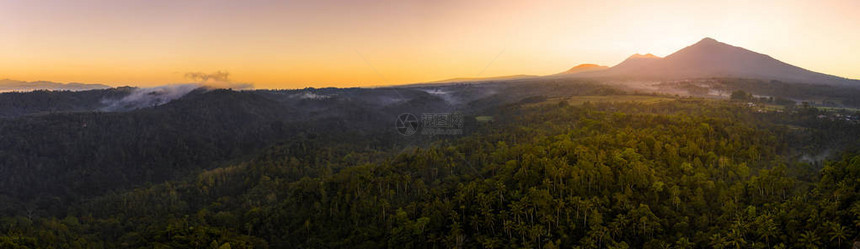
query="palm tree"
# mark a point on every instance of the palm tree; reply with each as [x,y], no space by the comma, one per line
[684,243]
[736,239]
[717,241]
[768,230]
[616,227]
[808,240]
[839,233]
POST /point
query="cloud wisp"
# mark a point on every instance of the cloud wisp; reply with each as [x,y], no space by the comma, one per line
[159,95]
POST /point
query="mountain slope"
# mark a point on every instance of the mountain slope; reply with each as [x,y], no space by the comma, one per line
[585,68]
[636,63]
[711,58]
[508,77]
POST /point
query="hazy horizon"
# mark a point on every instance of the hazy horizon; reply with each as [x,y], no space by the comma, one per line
[377,43]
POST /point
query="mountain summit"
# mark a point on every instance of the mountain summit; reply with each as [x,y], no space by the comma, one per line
[585,68]
[711,58]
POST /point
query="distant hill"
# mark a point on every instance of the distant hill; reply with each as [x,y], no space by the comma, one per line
[7,85]
[509,77]
[585,68]
[711,58]
[23,103]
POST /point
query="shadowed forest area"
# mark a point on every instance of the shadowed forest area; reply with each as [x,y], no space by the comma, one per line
[232,170]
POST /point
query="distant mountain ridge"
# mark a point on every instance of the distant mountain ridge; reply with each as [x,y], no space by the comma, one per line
[507,77]
[585,68]
[711,58]
[7,85]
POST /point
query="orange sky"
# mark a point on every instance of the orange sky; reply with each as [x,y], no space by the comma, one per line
[294,44]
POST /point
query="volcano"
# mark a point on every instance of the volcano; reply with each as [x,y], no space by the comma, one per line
[710,58]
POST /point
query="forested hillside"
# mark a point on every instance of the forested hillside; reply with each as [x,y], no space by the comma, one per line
[58,148]
[683,173]
[15,104]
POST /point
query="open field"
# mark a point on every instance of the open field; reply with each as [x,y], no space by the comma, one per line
[579,100]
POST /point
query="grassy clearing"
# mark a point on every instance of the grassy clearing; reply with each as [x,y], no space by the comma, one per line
[579,100]
[770,107]
[824,108]
[484,119]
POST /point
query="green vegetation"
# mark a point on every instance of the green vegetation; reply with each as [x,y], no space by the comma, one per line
[654,173]
[777,92]
[741,95]
[484,119]
[579,100]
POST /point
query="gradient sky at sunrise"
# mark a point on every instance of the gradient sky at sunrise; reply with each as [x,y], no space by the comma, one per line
[294,44]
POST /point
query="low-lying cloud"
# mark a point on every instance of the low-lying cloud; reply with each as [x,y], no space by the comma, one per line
[155,96]
[148,97]
[217,80]
[310,95]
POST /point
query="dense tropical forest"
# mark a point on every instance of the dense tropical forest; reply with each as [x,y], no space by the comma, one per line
[588,168]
